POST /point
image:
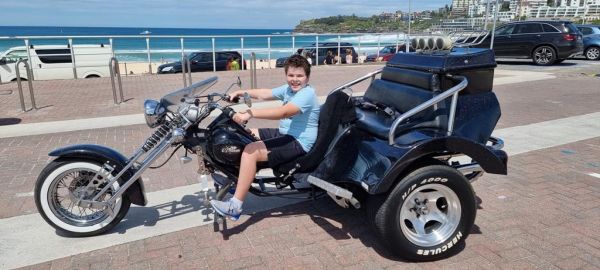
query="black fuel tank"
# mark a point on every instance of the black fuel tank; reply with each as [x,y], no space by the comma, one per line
[226,144]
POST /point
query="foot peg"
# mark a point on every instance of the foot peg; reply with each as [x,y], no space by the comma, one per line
[340,195]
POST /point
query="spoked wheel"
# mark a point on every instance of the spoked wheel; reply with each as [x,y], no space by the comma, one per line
[60,187]
[428,214]
[592,53]
[544,56]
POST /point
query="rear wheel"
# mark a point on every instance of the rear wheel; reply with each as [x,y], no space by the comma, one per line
[544,56]
[592,53]
[427,215]
[57,192]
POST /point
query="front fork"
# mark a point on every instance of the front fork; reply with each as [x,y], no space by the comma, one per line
[156,149]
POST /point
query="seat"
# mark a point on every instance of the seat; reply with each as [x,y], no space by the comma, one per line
[337,111]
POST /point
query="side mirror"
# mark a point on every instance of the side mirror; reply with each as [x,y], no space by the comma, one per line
[3,61]
[239,82]
[247,100]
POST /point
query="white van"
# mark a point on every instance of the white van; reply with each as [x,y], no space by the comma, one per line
[51,62]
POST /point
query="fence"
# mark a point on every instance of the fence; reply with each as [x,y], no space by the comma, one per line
[64,57]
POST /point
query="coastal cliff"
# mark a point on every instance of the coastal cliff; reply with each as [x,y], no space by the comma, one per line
[355,24]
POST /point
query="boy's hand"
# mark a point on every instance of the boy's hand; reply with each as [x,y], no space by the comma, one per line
[241,118]
[235,95]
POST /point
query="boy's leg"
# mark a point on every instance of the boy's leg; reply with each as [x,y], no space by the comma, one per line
[253,153]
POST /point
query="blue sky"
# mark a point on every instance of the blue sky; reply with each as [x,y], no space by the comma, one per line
[274,14]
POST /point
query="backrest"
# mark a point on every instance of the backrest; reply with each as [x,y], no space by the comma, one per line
[337,110]
[404,89]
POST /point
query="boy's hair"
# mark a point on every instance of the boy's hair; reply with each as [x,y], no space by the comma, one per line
[297,61]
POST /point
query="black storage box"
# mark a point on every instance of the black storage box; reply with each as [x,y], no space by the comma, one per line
[474,63]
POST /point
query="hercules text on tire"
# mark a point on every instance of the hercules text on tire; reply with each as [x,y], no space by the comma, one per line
[427,215]
[58,190]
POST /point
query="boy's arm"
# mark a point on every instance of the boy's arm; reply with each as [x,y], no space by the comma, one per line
[260,93]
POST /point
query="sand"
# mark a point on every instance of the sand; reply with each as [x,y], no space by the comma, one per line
[141,68]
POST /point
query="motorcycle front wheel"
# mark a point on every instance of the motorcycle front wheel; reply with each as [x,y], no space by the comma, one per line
[58,188]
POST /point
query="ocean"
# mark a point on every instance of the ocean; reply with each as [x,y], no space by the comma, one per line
[134,47]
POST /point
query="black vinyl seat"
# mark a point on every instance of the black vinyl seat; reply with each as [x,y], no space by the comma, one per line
[337,111]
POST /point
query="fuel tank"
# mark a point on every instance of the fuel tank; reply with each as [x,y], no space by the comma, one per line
[226,141]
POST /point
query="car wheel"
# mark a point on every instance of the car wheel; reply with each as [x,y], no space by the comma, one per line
[592,53]
[544,56]
[427,216]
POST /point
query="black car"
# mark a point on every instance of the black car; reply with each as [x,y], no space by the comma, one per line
[591,41]
[545,42]
[323,48]
[203,61]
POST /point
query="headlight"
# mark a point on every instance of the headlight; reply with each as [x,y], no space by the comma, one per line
[167,69]
[153,112]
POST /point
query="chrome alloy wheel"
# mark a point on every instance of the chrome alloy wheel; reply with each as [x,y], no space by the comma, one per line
[430,215]
[64,193]
[593,53]
[543,55]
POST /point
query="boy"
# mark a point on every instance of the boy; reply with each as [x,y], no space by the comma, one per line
[296,135]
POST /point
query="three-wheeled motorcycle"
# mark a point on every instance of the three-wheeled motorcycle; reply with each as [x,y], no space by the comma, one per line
[407,151]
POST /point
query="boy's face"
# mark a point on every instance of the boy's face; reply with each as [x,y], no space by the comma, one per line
[296,78]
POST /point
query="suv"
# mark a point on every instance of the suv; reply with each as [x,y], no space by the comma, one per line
[323,48]
[203,61]
[591,41]
[545,42]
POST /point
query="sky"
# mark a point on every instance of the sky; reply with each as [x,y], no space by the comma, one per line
[258,14]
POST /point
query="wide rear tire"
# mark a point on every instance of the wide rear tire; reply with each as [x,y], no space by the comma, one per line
[56,190]
[427,216]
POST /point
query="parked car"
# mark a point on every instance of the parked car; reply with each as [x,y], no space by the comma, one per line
[52,62]
[545,42]
[203,61]
[591,41]
[387,52]
[322,52]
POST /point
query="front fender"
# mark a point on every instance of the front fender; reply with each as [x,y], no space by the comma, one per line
[491,161]
[102,154]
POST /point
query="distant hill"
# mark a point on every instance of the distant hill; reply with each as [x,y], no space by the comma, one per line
[355,24]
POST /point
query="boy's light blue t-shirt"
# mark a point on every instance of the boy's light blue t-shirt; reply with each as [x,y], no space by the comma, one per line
[302,126]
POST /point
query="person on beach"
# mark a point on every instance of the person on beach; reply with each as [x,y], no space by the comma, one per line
[234,64]
[229,60]
[297,132]
[337,59]
[328,58]
[348,56]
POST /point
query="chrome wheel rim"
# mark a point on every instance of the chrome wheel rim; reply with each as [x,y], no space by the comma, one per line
[593,53]
[67,188]
[543,55]
[430,215]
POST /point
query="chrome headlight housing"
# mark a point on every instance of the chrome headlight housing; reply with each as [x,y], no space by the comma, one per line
[153,112]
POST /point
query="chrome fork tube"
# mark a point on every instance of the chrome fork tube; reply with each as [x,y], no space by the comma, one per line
[132,161]
[153,155]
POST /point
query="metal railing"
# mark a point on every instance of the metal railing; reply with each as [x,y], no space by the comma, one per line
[115,72]
[186,68]
[433,101]
[253,82]
[29,82]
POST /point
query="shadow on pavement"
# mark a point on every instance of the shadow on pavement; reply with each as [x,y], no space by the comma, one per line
[9,121]
[339,223]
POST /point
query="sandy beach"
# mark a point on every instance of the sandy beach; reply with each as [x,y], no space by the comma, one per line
[141,68]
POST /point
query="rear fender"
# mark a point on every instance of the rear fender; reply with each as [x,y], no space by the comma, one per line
[102,154]
[491,161]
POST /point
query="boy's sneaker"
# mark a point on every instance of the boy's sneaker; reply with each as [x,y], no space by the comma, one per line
[226,208]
